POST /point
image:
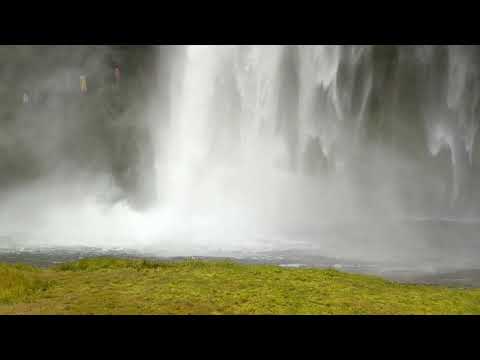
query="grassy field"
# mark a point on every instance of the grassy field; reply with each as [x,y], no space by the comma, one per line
[114,286]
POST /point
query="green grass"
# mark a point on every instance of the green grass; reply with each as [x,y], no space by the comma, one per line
[117,286]
[18,282]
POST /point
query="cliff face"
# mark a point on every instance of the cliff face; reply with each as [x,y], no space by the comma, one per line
[46,121]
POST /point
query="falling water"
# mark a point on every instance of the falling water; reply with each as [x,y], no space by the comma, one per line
[393,131]
[380,114]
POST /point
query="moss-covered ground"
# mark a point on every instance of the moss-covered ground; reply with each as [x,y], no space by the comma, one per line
[116,286]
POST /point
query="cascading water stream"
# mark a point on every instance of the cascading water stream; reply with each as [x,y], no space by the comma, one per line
[266,103]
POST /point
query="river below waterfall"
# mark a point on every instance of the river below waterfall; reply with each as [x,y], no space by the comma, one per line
[446,256]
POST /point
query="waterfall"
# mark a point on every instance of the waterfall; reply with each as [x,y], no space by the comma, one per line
[376,112]
[260,147]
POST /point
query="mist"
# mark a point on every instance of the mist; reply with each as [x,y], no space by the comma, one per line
[365,152]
